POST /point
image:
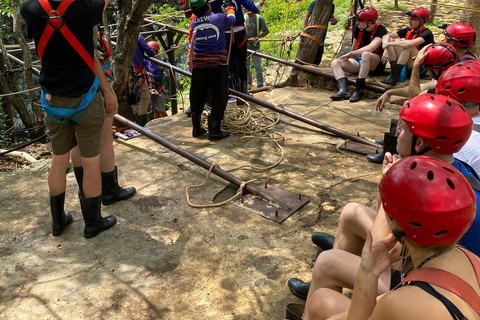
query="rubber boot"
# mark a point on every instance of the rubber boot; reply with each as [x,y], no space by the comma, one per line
[79,177]
[214,130]
[188,112]
[94,222]
[393,129]
[359,85]
[395,71]
[197,125]
[239,87]
[343,92]
[142,119]
[111,191]
[390,146]
[60,218]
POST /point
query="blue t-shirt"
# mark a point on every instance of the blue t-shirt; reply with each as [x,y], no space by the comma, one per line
[154,69]
[471,239]
[142,47]
[209,32]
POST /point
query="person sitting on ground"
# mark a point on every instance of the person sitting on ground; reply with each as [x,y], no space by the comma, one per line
[154,73]
[436,59]
[425,118]
[399,53]
[427,226]
[208,58]
[462,36]
[333,21]
[254,24]
[364,57]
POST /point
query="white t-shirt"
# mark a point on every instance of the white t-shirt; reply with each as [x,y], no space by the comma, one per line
[470,152]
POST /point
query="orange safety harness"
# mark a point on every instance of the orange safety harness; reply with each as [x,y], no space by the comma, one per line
[372,36]
[320,43]
[56,24]
[413,34]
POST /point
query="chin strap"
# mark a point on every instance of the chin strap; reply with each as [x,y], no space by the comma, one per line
[421,152]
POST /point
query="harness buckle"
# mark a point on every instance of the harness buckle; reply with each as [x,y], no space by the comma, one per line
[55,20]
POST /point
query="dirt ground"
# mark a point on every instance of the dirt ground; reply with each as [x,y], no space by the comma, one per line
[167,260]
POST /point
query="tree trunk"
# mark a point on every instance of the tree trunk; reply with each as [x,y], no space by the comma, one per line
[433,10]
[6,79]
[473,18]
[130,19]
[320,16]
[27,56]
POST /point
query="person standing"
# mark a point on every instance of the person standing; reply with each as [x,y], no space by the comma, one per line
[69,81]
[154,73]
[254,24]
[208,57]
[140,110]
[332,20]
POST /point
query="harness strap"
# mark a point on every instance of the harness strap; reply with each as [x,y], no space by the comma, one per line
[74,114]
[56,23]
[412,34]
[320,43]
[242,43]
[449,281]
[372,34]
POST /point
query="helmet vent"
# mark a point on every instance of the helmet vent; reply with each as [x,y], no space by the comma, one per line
[413,165]
[441,138]
[415,225]
[432,98]
[448,88]
[458,142]
[430,175]
[449,103]
[461,90]
[451,171]
[450,184]
[441,233]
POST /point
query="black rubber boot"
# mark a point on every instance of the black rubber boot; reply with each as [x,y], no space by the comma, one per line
[395,71]
[380,141]
[357,95]
[343,92]
[94,222]
[111,191]
[60,218]
[79,177]
[390,146]
[214,130]
[142,120]
[393,126]
[197,125]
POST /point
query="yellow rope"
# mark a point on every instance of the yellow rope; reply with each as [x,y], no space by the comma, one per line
[253,124]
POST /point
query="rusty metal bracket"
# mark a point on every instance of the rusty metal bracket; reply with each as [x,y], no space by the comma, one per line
[294,200]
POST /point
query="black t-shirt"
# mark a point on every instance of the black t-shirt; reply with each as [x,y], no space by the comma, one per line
[366,37]
[426,34]
[64,72]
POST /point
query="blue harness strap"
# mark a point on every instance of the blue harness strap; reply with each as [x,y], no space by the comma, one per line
[74,114]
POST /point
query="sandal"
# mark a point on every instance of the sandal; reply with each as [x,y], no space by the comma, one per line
[295,311]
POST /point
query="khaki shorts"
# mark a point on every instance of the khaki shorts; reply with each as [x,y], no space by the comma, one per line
[88,129]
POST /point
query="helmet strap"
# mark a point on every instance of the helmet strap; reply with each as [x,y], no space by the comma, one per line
[419,153]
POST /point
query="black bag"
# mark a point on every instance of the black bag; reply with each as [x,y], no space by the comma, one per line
[134,96]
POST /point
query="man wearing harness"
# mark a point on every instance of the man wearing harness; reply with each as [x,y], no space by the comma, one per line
[237,61]
[399,53]
[462,36]
[364,57]
[63,35]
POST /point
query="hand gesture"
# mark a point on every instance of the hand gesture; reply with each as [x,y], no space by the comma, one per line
[110,100]
[385,56]
[389,160]
[346,56]
[421,55]
[381,101]
[333,21]
[377,256]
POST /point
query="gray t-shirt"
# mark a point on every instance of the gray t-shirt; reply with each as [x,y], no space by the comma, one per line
[253,29]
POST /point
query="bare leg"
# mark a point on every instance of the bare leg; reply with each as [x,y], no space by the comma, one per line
[340,66]
[370,62]
[325,303]
[107,154]
[92,181]
[406,56]
[354,222]
[57,180]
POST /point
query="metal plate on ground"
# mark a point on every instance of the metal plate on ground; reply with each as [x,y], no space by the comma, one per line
[360,148]
[294,200]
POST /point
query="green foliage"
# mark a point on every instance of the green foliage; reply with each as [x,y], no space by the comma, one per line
[5,138]
[168,15]
[5,8]
[182,93]
[392,7]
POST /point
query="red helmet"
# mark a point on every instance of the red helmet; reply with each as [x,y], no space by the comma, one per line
[367,15]
[421,14]
[441,121]
[429,199]
[462,34]
[153,45]
[440,56]
[461,82]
